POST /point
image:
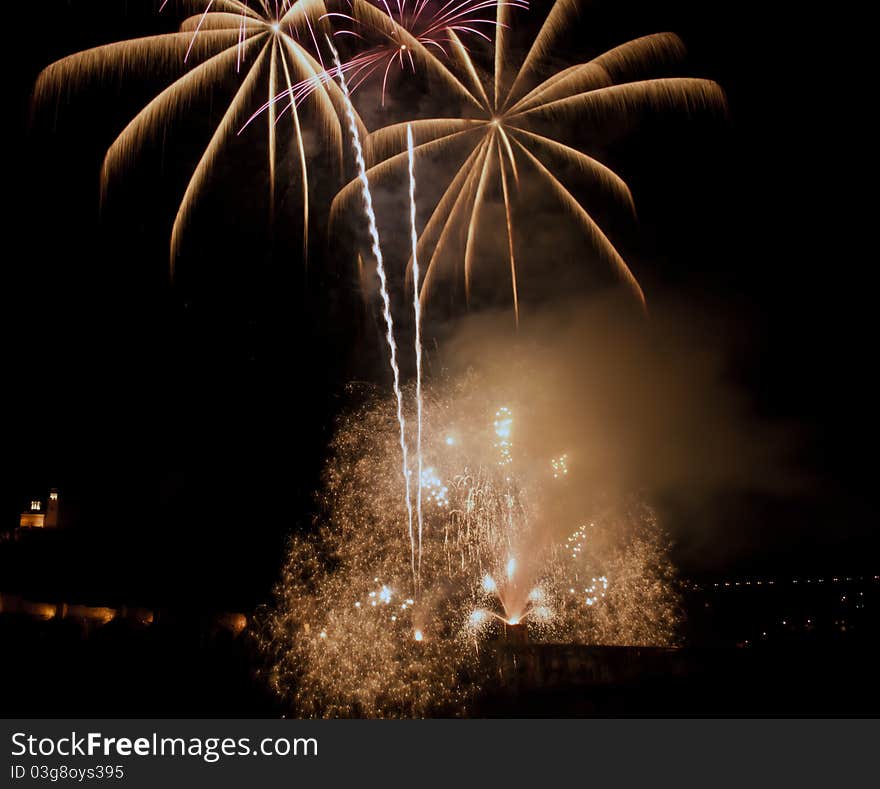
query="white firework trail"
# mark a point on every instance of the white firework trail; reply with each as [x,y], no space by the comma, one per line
[417,308]
[383,289]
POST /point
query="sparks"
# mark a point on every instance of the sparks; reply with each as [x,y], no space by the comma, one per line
[386,300]
[559,466]
[408,35]
[503,427]
[488,563]
[226,37]
[440,494]
[501,141]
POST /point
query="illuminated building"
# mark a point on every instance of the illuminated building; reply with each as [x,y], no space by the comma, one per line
[34,517]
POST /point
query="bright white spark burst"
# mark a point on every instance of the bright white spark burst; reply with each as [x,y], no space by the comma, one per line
[559,466]
[503,427]
[433,488]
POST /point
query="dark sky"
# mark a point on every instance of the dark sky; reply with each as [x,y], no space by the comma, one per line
[185,423]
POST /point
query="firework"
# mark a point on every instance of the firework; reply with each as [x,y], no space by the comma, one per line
[386,304]
[559,466]
[346,637]
[503,428]
[417,316]
[505,138]
[406,35]
[267,43]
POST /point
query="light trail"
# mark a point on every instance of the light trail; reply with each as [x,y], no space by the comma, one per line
[386,299]
[417,309]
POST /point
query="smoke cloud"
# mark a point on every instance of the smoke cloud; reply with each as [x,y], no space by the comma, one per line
[645,406]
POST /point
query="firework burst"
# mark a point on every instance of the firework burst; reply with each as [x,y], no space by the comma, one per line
[346,637]
[504,138]
[406,35]
[268,45]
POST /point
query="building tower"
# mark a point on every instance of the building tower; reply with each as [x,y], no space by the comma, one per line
[52,515]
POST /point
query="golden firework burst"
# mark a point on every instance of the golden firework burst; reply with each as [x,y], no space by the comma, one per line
[270,46]
[504,138]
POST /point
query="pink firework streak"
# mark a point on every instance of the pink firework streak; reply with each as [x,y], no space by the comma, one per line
[435,24]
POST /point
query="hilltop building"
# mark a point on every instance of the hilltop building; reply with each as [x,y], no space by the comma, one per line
[35,517]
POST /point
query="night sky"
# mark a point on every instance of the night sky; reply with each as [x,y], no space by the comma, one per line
[185,422]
